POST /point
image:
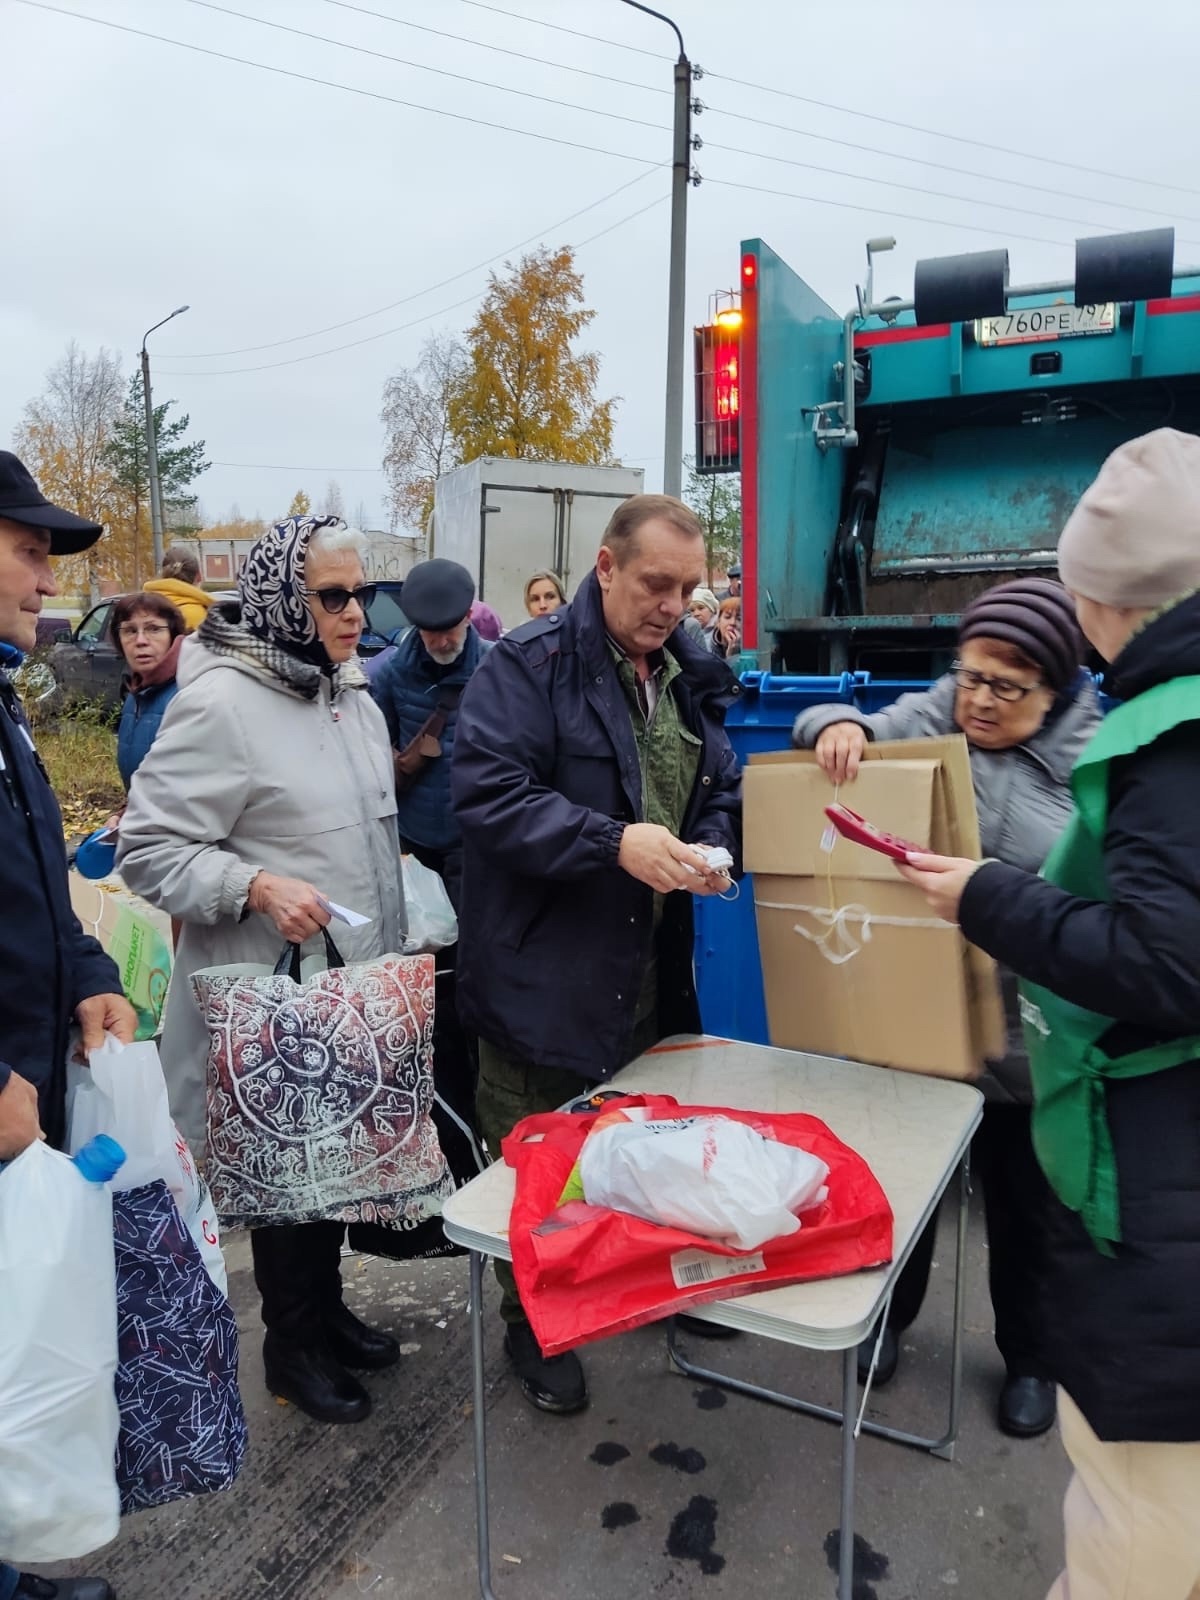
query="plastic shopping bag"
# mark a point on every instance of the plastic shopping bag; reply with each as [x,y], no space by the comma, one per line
[320,1084]
[58,1357]
[707,1175]
[124,1094]
[183,1430]
[584,1271]
[432,924]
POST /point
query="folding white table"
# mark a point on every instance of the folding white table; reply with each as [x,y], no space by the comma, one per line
[913,1131]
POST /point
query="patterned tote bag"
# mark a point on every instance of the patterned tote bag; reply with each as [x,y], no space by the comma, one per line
[320,1087]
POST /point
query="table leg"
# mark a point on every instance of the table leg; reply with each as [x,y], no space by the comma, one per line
[479,1420]
[942,1446]
[846,1553]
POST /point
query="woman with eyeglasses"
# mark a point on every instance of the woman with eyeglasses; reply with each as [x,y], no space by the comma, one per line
[148,630]
[1019,693]
[268,792]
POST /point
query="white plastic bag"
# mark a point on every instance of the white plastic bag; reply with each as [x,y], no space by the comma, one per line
[124,1094]
[432,924]
[706,1175]
[58,1360]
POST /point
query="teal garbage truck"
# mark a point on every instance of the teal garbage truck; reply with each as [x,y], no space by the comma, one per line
[900,458]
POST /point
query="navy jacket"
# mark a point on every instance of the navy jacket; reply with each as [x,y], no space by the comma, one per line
[554,936]
[407,689]
[141,716]
[47,963]
[1122,1332]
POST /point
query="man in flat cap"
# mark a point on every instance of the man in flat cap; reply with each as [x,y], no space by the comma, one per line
[418,691]
[50,971]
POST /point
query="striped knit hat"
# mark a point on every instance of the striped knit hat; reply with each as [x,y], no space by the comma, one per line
[1037,616]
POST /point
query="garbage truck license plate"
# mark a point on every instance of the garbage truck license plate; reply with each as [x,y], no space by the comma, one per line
[1032,324]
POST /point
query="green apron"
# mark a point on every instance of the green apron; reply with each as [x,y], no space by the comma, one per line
[1070,1116]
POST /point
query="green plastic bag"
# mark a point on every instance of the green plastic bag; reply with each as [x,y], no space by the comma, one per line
[143,958]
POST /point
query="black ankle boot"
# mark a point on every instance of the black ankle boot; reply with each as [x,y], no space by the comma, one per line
[312,1379]
[551,1383]
[354,1344]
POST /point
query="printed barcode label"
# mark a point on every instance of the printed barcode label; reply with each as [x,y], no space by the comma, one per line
[829,838]
[690,1268]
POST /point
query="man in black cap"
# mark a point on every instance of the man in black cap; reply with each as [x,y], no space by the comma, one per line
[50,970]
[733,589]
[418,691]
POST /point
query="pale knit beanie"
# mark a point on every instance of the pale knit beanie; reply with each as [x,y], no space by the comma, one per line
[1134,537]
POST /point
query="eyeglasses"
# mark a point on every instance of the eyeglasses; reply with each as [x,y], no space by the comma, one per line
[336,600]
[142,630]
[1002,688]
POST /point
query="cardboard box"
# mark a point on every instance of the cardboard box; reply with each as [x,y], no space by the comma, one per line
[854,962]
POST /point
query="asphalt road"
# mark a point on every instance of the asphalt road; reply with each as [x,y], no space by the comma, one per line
[664,1486]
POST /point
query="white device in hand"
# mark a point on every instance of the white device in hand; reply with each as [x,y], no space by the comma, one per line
[718,858]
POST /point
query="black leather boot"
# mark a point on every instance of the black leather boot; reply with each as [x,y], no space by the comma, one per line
[1027,1407]
[31,1588]
[310,1377]
[354,1344]
[551,1383]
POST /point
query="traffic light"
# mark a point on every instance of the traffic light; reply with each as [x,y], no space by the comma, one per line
[718,393]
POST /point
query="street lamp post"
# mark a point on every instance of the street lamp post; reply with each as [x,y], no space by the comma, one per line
[156,515]
[681,176]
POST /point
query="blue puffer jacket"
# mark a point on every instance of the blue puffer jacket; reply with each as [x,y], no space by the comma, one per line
[141,716]
[407,690]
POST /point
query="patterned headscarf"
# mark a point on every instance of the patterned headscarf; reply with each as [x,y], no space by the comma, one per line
[271,585]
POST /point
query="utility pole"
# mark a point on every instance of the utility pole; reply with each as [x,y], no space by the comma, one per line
[156,513]
[681,177]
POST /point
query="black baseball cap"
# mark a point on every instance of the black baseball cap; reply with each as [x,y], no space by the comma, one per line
[22,501]
[437,595]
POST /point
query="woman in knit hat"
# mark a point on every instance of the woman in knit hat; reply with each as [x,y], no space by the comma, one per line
[1018,692]
[1107,945]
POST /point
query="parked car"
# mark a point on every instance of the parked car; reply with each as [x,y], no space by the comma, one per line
[386,621]
[87,666]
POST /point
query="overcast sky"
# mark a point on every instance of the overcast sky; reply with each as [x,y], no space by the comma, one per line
[139,175]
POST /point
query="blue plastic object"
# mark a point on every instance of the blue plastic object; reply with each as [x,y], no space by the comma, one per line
[728,971]
[873,694]
[100,1159]
[96,856]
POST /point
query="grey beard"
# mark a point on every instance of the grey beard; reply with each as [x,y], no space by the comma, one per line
[447,658]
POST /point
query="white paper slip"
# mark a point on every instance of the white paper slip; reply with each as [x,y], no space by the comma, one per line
[352,919]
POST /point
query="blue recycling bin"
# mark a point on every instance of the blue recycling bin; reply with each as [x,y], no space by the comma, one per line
[728,973]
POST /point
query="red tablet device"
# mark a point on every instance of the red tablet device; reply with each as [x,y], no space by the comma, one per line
[851,826]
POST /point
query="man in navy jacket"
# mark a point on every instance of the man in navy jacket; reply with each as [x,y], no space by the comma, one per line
[50,970]
[591,755]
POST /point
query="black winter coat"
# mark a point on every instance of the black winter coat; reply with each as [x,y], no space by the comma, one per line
[47,963]
[554,936]
[1123,1332]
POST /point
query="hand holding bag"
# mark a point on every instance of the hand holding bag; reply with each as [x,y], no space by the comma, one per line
[320,1085]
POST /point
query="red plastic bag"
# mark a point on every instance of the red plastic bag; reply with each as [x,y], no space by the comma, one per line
[584,1272]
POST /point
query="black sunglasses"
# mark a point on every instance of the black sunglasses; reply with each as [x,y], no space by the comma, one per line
[336,600]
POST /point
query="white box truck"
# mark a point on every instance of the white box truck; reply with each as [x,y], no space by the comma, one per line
[505,519]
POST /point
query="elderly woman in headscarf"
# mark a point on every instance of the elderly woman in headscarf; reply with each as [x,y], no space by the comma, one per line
[268,790]
[1019,693]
